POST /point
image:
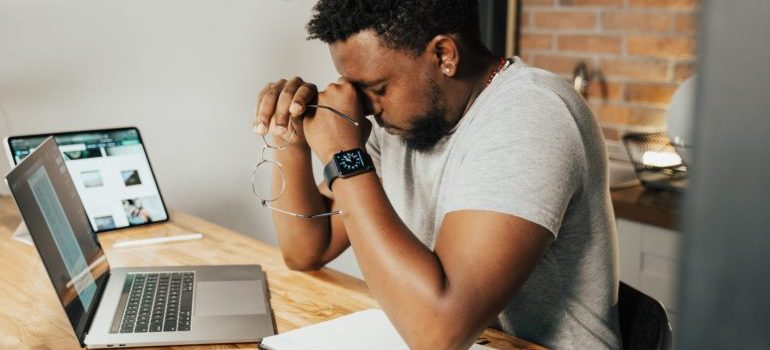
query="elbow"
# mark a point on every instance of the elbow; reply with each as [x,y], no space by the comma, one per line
[444,337]
[302,264]
[439,343]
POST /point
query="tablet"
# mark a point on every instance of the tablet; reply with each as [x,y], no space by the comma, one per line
[111,171]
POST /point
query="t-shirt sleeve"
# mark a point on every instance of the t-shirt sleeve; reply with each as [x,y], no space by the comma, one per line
[526,161]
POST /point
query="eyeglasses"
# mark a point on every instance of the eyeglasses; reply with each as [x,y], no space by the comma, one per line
[266,198]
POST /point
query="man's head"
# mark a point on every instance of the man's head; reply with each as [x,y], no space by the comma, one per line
[404,57]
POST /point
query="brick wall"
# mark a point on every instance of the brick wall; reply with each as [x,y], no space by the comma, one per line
[637,51]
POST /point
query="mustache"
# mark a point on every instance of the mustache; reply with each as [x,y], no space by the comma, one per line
[382,123]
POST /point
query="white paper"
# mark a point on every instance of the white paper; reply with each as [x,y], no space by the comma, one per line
[368,329]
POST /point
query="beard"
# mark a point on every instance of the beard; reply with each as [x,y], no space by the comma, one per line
[429,128]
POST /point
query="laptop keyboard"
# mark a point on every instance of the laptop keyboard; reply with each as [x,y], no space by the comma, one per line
[157,302]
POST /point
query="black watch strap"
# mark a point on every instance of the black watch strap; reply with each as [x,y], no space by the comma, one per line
[332,169]
[330,173]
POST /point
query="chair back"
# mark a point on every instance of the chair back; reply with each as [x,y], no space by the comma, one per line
[643,321]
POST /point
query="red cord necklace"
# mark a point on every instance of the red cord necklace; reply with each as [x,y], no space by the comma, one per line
[497,70]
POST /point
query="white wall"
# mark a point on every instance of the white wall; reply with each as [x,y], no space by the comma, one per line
[186,72]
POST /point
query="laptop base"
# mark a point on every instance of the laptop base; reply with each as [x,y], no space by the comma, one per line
[230,305]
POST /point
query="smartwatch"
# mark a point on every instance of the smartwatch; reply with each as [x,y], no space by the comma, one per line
[346,164]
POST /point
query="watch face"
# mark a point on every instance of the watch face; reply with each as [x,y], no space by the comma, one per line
[350,162]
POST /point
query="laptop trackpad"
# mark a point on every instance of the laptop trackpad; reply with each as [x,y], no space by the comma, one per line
[223,298]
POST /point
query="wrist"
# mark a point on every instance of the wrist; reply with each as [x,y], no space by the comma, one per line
[328,153]
[299,143]
[294,152]
[351,183]
[298,146]
[348,163]
[290,136]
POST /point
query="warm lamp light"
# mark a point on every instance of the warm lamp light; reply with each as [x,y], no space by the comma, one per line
[661,159]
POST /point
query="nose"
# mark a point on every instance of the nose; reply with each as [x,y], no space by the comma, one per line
[376,108]
[371,105]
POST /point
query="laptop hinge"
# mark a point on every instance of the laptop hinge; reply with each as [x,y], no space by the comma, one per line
[92,313]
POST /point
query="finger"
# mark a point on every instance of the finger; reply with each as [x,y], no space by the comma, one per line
[268,103]
[284,101]
[305,94]
[329,90]
[345,85]
[257,120]
[291,128]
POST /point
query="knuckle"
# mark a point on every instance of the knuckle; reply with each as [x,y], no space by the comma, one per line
[288,92]
[282,121]
[276,85]
[272,93]
[264,116]
[281,116]
[293,84]
[305,92]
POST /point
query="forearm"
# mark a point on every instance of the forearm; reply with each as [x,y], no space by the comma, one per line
[406,277]
[302,241]
[438,297]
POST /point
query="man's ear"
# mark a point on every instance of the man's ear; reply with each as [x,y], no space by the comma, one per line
[445,54]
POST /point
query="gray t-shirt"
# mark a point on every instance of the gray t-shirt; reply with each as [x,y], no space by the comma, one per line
[530,147]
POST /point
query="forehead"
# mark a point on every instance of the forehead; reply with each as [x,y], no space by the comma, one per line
[363,59]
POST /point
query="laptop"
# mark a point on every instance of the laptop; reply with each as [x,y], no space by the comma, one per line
[129,307]
[111,172]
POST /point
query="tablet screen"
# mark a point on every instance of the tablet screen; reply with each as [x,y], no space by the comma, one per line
[112,175]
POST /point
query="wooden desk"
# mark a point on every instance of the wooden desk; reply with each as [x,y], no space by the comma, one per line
[652,207]
[31,316]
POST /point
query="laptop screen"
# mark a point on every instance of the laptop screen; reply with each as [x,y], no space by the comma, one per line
[50,205]
[111,172]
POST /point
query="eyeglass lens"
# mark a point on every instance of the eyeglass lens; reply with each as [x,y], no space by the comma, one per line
[267,168]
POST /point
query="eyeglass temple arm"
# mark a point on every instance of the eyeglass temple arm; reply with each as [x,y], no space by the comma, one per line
[301,216]
[335,112]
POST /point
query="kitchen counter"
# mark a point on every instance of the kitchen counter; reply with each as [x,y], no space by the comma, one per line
[651,207]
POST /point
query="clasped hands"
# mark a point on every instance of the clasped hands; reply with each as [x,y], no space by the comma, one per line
[282,109]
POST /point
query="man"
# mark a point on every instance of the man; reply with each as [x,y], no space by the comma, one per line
[491,204]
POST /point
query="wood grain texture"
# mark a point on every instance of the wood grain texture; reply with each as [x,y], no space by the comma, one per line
[31,316]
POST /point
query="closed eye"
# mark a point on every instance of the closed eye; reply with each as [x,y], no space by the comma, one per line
[381,91]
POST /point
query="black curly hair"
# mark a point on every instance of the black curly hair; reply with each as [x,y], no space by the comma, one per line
[407,25]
